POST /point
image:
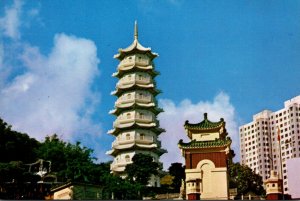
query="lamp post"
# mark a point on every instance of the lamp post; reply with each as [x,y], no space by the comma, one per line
[280,158]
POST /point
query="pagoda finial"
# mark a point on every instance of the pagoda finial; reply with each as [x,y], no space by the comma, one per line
[205,116]
[135,30]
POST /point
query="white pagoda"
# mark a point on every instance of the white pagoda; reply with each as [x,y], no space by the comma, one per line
[136,127]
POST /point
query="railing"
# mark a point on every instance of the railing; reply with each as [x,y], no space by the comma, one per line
[135,61]
[123,82]
[133,99]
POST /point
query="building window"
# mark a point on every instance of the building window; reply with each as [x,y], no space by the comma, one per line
[127,158]
[141,95]
[127,136]
[142,136]
[128,96]
[128,115]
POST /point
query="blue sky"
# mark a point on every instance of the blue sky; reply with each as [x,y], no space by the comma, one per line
[231,59]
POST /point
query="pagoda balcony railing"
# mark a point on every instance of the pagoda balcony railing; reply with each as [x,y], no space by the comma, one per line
[138,118]
[124,82]
[130,141]
[136,99]
[119,122]
[126,63]
[119,163]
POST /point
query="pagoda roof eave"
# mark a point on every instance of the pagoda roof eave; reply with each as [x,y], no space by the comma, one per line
[135,46]
[158,150]
[155,129]
[204,144]
[120,72]
[151,107]
[205,125]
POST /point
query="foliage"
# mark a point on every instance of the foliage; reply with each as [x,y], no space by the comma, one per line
[167,180]
[178,171]
[11,172]
[15,146]
[141,169]
[70,162]
[245,180]
[139,173]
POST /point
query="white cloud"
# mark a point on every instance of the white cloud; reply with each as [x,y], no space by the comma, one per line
[174,117]
[10,22]
[54,93]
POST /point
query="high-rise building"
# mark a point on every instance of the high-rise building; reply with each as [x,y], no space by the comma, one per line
[271,139]
[136,127]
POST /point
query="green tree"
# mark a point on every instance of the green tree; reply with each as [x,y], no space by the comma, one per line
[141,169]
[139,173]
[177,170]
[69,161]
[245,180]
[15,146]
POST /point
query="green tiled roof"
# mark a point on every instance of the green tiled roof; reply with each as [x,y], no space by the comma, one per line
[205,124]
[205,144]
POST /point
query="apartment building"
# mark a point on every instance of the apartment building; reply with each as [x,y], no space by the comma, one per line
[271,139]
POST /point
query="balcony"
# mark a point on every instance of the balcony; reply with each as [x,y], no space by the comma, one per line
[125,82]
[135,97]
[123,144]
[147,121]
[135,60]
[119,165]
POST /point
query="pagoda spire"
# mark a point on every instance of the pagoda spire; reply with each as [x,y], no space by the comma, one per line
[135,30]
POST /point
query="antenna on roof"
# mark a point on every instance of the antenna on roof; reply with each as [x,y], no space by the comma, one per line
[135,30]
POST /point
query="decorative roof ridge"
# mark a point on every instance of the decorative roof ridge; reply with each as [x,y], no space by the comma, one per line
[212,143]
[135,45]
[205,124]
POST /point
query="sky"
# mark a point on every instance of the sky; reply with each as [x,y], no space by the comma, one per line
[231,59]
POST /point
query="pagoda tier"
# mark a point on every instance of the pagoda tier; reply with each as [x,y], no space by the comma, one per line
[154,127]
[138,99]
[136,127]
[120,73]
[151,107]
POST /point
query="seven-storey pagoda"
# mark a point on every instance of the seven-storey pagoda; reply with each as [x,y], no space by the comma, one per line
[136,128]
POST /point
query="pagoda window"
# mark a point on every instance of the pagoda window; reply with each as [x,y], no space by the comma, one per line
[142,116]
[128,115]
[129,77]
[140,77]
[127,158]
[127,136]
[140,95]
[128,96]
[142,136]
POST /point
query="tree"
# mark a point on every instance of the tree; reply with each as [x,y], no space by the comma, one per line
[245,180]
[139,173]
[69,161]
[178,172]
[141,169]
[15,146]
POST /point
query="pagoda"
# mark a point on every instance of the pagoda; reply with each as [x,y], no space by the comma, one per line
[136,127]
[206,159]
